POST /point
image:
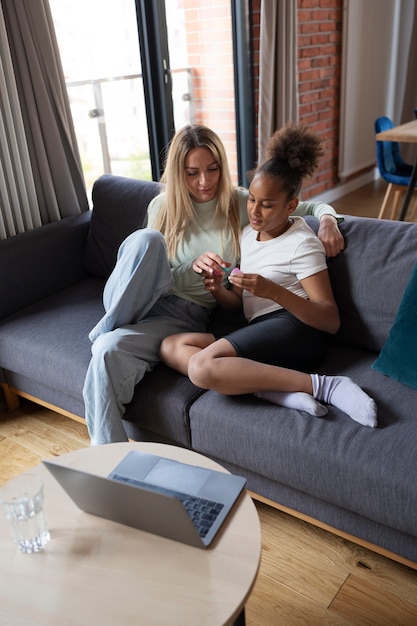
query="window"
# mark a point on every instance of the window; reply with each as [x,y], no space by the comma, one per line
[137,70]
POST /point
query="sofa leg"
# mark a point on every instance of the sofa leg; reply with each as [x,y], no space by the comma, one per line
[12,399]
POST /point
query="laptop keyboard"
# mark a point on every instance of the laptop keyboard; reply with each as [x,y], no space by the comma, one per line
[202,512]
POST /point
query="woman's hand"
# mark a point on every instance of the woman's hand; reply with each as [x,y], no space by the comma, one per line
[210,265]
[214,283]
[254,283]
[213,277]
[330,236]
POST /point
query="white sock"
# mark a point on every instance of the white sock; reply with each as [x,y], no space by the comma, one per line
[294,400]
[344,394]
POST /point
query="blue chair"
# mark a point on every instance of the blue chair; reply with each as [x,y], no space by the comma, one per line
[391,168]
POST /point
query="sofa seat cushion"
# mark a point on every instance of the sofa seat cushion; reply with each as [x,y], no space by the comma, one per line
[161,406]
[45,350]
[370,472]
[48,341]
[343,519]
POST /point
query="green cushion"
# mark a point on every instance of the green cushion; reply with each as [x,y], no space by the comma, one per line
[398,357]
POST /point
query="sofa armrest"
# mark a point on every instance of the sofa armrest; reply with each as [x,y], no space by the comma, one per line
[41,262]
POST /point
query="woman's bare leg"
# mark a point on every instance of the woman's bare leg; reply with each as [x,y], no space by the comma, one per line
[176,350]
[218,367]
[215,365]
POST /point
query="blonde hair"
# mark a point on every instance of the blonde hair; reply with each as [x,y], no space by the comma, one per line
[177,210]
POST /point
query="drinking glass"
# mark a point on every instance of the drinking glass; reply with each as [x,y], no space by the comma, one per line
[22,500]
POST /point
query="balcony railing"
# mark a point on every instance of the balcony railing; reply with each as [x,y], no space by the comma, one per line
[110,122]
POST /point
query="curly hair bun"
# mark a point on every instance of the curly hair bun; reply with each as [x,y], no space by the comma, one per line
[296,148]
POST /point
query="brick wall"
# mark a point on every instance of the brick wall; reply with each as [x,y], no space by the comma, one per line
[209,45]
[319,75]
[319,70]
[210,55]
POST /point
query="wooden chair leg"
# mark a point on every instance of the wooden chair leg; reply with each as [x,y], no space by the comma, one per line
[413,211]
[386,200]
[397,197]
[392,198]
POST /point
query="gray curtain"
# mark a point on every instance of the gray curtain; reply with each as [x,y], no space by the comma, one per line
[46,114]
[19,210]
[409,151]
[410,92]
[278,92]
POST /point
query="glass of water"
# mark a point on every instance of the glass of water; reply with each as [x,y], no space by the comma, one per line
[23,503]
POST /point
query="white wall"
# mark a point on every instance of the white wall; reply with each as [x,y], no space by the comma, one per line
[376,38]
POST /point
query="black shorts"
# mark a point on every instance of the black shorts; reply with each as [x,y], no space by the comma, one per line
[280,338]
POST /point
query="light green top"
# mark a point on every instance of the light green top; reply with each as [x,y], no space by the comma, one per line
[206,234]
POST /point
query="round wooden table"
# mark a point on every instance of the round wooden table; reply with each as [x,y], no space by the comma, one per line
[94,571]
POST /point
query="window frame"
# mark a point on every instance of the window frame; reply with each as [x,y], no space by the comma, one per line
[153,43]
[244,88]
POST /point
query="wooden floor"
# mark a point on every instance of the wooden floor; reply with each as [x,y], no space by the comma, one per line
[308,576]
[367,201]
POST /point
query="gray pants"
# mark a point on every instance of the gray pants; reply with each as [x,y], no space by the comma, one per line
[126,341]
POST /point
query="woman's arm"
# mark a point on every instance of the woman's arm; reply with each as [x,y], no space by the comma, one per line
[328,233]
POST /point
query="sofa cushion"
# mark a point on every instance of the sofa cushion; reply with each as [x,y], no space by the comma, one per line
[48,341]
[398,357]
[119,207]
[161,405]
[45,351]
[369,277]
[368,471]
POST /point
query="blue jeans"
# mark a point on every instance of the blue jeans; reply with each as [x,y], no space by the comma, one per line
[126,341]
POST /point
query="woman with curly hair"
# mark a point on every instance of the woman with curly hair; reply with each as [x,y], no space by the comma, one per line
[284,288]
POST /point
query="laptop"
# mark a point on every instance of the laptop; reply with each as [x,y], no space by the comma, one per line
[183,502]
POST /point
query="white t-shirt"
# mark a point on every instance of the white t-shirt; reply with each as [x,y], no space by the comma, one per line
[287,259]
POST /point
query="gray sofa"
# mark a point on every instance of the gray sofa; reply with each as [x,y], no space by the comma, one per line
[358,481]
